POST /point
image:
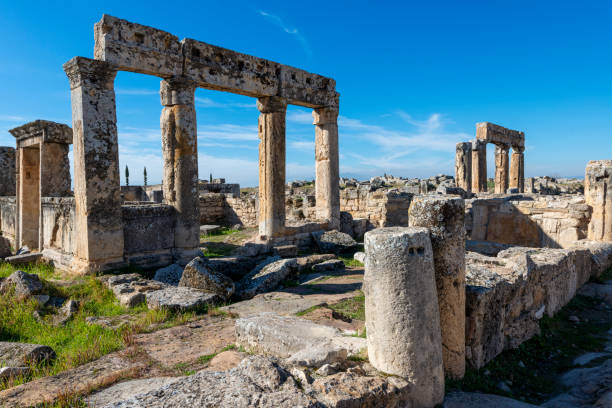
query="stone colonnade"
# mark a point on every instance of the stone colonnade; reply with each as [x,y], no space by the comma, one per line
[184,66]
[507,174]
[42,169]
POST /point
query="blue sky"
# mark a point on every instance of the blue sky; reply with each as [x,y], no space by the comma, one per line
[414,79]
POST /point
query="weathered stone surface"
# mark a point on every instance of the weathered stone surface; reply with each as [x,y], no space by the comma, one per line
[170,275]
[285,251]
[444,217]
[318,355]
[127,389]
[130,289]
[5,247]
[359,256]
[496,134]
[348,390]
[69,309]
[199,275]
[305,263]
[25,284]
[256,382]
[232,267]
[284,336]
[265,277]
[271,166]
[23,354]
[180,298]
[24,259]
[597,187]
[477,400]
[501,169]
[463,166]
[226,360]
[7,172]
[334,241]
[517,169]
[479,166]
[13,372]
[329,266]
[402,314]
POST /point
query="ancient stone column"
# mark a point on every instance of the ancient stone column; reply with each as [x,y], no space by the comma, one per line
[501,168]
[180,152]
[517,169]
[598,194]
[479,166]
[327,184]
[98,217]
[7,171]
[444,216]
[463,166]
[401,310]
[271,166]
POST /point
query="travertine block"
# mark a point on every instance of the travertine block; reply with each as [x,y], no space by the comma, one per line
[517,169]
[327,165]
[444,216]
[479,166]
[501,169]
[7,171]
[496,134]
[401,308]
[598,194]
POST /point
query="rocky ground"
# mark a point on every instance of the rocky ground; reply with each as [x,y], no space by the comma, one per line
[291,333]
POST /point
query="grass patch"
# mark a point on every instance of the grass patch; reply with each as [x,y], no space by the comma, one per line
[350,262]
[77,342]
[224,242]
[532,370]
[353,308]
[309,310]
[43,270]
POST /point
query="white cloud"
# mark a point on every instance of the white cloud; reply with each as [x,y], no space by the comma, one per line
[227,131]
[12,118]
[300,117]
[302,145]
[136,91]
[293,31]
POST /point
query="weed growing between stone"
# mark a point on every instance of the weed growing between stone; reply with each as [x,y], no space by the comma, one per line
[77,342]
[350,262]
[353,308]
[532,370]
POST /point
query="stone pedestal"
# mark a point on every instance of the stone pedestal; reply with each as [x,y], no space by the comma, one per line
[501,169]
[463,166]
[98,217]
[327,187]
[401,308]
[444,216]
[479,166]
[598,194]
[7,171]
[517,169]
[271,166]
[180,152]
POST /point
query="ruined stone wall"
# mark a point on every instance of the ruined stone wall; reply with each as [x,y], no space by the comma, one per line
[148,231]
[225,188]
[528,220]
[212,208]
[381,208]
[8,211]
[7,171]
[241,210]
[58,225]
[507,295]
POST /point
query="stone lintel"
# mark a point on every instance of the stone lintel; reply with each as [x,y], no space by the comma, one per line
[499,135]
[138,48]
[43,130]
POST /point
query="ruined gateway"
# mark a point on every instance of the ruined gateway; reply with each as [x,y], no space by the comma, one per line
[483,268]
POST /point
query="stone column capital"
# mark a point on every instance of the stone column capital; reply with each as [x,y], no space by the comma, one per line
[478,144]
[177,91]
[323,116]
[271,104]
[502,148]
[96,74]
[518,149]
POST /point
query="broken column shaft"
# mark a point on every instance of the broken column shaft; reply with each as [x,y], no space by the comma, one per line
[501,169]
[444,216]
[98,216]
[401,310]
[180,152]
[327,184]
[271,166]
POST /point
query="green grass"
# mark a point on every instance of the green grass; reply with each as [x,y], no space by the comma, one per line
[353,308]
[350,262]
[43,270]
[223,242]
[309,310]
[76,342]
[533,369]
[490,186]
